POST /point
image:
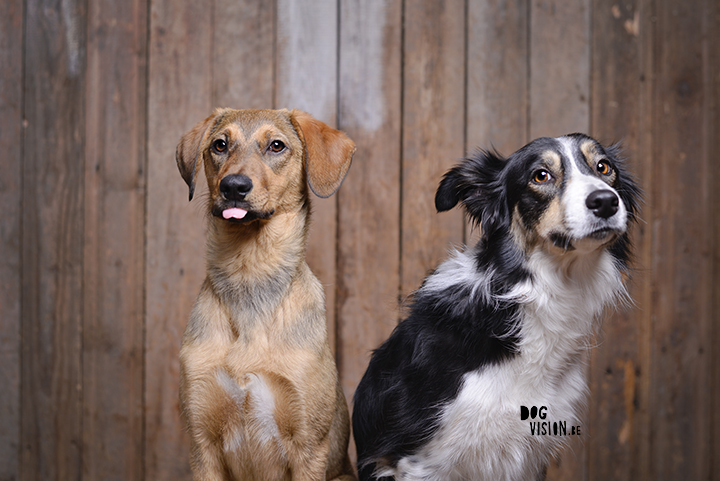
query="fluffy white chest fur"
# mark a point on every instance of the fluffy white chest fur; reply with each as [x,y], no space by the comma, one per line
[481,435]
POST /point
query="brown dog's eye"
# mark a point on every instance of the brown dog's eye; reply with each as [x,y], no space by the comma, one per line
[219,145]
[603,168]
[276,146]
[541,176]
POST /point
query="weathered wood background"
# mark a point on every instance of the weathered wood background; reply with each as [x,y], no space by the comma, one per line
[102,256]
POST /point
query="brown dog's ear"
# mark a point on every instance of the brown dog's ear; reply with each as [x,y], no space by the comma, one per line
[189,152]
[328,153]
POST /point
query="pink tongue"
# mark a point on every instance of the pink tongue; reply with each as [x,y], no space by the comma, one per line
[234,213]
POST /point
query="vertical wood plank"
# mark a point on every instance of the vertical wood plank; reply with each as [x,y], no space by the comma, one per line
[682,246]
[11,116]
[618,425]
[306,79]
[243,54]
[712,26]
[559,67]
[433,132]
[497,90]
[52,233]
[559,104]
[645,165]
[114,241]
[179,96]
[369,201]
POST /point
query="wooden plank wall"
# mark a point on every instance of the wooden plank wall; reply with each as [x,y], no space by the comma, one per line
[102,255]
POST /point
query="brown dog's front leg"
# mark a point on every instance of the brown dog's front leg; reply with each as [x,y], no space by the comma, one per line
[347,470]
[315,466]
[206,465]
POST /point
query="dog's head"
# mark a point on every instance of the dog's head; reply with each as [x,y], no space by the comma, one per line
[560,194]
[257,161]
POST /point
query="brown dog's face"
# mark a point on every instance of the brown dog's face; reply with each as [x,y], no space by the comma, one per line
[253,164]
[257,162]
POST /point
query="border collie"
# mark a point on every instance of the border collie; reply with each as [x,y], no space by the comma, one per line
[503,325]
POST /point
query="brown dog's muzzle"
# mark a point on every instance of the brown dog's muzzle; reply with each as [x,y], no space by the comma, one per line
[232,205]
[234,188]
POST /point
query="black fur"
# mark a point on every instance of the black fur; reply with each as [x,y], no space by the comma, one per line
[421,366]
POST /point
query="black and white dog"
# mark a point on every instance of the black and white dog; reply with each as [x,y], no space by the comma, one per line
[505,324]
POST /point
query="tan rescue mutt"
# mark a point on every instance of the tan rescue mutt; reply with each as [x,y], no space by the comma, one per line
[258,383]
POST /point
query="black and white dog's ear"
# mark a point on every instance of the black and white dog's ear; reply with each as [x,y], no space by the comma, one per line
[448,193]
[476,182]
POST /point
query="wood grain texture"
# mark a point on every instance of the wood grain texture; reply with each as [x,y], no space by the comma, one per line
[433,132]
[306,79]
[179,96]
[616,424]
[52,233]
[11,116]
[369,200]
[114,270]
[102,255]
[559,67]
[559,104]
[682,262]
[645,165]
[712,79]
[243,49]
[497,85]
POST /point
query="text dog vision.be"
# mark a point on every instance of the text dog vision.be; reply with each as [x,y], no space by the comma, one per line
[546,428]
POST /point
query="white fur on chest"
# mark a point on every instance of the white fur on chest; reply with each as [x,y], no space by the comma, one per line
[259,416]
[481,434]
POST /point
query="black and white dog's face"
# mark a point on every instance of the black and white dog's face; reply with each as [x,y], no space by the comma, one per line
[559,194]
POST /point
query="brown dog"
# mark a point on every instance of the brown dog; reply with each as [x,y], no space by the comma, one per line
[258,384]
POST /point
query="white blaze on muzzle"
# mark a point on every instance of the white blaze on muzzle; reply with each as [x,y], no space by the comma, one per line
[592,207]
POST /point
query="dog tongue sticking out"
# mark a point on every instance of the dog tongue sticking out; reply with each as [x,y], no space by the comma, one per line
[234,213]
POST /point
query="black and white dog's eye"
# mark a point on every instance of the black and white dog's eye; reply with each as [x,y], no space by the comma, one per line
[542,176]
[219,145]
[604,168]
[276,146]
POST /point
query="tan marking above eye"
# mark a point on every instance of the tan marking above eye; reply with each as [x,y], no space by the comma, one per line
[552,160]
[270,139]
[589,151]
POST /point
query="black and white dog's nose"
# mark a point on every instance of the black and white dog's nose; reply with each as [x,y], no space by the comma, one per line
[603,203]
[236,187]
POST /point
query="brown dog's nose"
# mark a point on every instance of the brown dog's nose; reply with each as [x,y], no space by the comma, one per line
[235,187]
[603,203]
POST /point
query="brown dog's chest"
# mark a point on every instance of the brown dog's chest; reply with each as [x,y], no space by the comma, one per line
[256,401]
